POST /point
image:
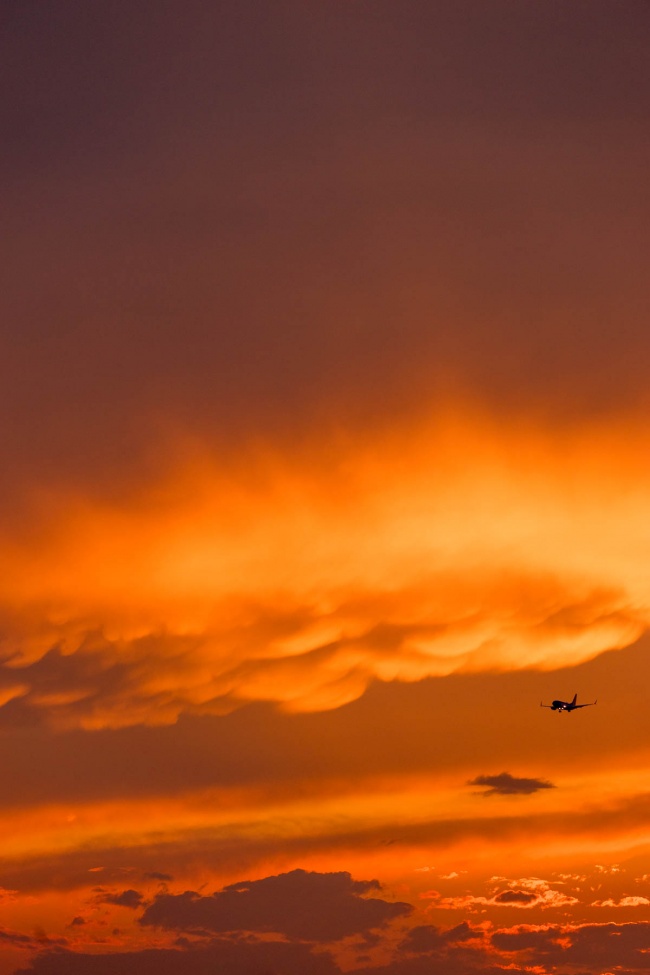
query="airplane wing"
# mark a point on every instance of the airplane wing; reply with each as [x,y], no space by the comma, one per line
[546,705]
[590,705]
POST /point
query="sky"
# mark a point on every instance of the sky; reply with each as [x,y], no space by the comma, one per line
[325,459]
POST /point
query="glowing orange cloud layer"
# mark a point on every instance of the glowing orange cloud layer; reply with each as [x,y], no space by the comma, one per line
[459,545]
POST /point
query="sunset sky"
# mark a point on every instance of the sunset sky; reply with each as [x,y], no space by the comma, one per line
[325,443]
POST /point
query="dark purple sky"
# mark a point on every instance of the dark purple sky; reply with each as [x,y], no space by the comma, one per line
[249,219]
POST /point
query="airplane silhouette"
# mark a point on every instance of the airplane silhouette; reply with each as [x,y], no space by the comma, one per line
[567,706]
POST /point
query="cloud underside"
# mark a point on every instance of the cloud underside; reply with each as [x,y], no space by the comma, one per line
[91,681]
[304,906]
[305,588]
[460,950]
[505,784]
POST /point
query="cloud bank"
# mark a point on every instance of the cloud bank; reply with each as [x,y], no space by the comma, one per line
[456,548]
[304,906]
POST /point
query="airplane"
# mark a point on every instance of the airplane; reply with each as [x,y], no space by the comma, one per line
[567,706]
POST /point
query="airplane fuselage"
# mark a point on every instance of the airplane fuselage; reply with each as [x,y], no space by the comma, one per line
[563,706]
[567,706]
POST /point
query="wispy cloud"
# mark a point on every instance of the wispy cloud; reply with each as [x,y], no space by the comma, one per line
[633,900]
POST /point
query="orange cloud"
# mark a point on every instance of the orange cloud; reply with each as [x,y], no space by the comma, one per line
[629,901]
[459,546]
[527,893]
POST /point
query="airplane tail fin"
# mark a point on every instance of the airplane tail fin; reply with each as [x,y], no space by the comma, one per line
[575,698]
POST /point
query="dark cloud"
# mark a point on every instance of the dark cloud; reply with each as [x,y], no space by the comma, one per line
[581,948]
[246,957]
[128,898]
[519,897]
[505,784]
[527,937]
[421,939]
[468,962]
[17,938]
[241,958]
[427,937]
[156,875]
[302,905]
[566,949]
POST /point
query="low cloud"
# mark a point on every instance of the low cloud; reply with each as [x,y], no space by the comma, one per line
[567,949]
[579,948]
[516,898]
[238,958]
[525,893]
[427,937]
[305,906]
[312,911]
[630,901]
[505,784]
[128,898]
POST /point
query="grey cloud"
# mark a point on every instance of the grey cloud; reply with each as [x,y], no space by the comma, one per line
[610,944]
[235,958]
[519,897]
[17,938]
[581,948]
[128,898]
[528,937]
[575,949]
[505,784]
[302,905]
[259,958]
[427,937]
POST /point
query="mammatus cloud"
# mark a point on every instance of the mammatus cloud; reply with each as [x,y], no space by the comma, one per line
[282,582]
[452,547]
[505,784]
